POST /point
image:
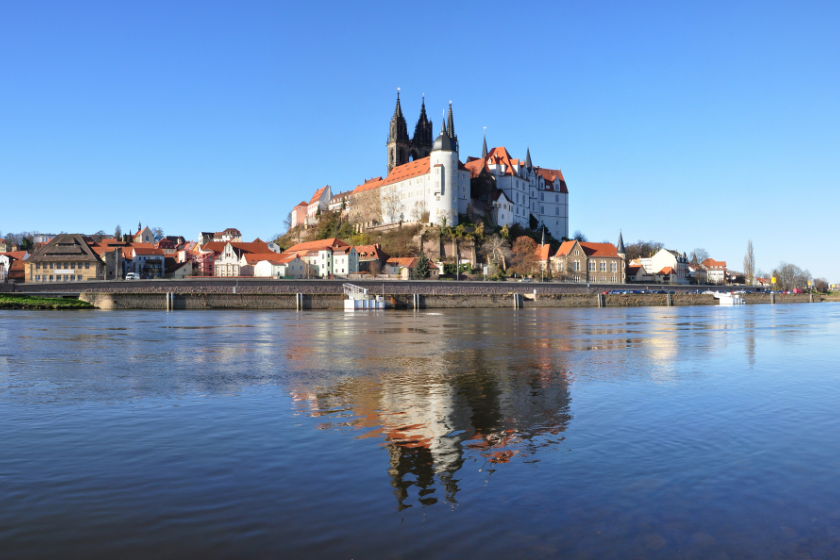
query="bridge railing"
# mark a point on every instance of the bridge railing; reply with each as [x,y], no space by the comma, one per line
[355,292]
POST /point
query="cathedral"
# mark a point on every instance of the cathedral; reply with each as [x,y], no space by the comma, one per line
[427,182]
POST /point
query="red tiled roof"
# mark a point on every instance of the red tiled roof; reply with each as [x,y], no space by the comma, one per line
[302,203]
[666,270]
[126,251]
[550,175]
[340,196]
[369,252]
[145,251]
[316,245]
[402,172]
[500,156]
[543,252]
[711,263]
[252,247]
[317,195]
[474,166]
[254,258]
[591,249]
[16,255]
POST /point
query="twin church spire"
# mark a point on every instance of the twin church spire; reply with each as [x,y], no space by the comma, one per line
[401,148]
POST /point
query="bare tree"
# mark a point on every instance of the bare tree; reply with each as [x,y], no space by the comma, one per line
[642,249]
[118,232]
[579,236]
[420,211]
[698,255]
[158,233]
[391,204]
[496,249]
[287,222]
[821,284]
[789,276]
[749,264]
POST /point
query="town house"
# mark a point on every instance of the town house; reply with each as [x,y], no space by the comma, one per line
[582,261]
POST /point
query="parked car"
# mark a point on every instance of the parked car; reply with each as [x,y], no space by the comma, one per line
[132,276]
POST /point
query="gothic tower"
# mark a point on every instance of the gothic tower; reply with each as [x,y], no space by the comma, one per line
[399,145]
[450,127]
[421,144]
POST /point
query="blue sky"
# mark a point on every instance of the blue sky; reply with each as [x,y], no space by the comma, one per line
[696,124]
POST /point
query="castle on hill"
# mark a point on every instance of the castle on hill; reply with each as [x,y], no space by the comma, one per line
[427,182]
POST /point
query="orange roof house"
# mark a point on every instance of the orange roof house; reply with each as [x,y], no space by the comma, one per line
[714,265]
[590,249]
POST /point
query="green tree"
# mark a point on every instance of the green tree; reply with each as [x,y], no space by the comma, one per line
[421,269]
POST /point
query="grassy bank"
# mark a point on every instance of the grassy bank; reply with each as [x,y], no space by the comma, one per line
[15,301]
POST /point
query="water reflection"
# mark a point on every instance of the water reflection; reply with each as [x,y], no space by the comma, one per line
[432,423]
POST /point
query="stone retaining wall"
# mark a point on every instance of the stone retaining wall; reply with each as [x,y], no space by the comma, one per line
[104,300]
[270,286]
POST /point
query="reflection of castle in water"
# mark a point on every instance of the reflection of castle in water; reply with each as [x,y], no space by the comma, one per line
[433,422]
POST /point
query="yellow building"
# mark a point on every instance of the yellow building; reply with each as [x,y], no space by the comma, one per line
[66,258]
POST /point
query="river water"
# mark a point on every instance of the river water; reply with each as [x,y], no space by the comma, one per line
[699,432]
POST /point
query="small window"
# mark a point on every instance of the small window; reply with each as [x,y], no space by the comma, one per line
[592,266]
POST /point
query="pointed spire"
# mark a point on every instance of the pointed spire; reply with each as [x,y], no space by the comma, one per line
[620,250]
[450,123]
[398,131]
[423,133]
[528,158]
[443,123]
[398,108]
[484,147]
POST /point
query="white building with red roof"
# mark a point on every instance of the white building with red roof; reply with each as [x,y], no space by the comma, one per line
[319,202]
[667,266]
[530,190]
[143,235]
[326,257]
[715,271]
[428,183]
